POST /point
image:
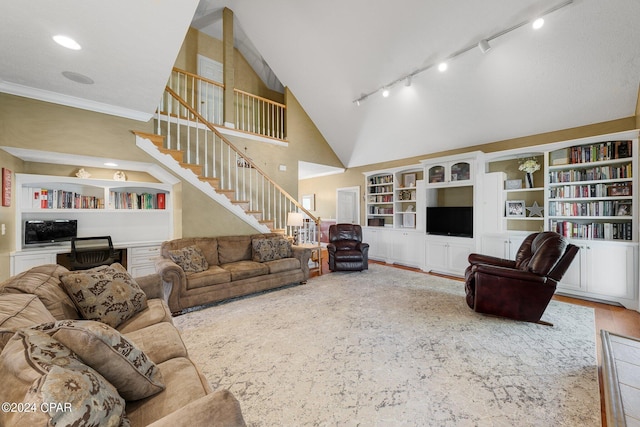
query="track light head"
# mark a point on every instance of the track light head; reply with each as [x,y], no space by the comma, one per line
[484,45]
[407,82]
[538,23]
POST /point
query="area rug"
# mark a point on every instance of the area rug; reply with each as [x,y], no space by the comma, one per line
[390,347]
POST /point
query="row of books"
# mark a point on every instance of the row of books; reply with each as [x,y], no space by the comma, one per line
[590,190]
[602,151]
[386,198]
[45,198]
[126,200]
[593,208]
[383,179]
[376,210]
[381,189]
[607,230]
[591,174]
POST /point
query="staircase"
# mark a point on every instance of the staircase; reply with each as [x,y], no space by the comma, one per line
[194,149]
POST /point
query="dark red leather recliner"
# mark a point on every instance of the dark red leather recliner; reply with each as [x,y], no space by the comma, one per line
[346,250]
[519,289]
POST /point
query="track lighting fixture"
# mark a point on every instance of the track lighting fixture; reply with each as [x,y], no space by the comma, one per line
[483,45]
[538,23]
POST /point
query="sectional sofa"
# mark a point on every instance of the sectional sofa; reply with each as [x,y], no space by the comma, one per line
[98,347]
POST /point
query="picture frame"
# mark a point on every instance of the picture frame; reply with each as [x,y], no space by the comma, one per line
[309,202]
[513,184]
[515,209]
[409,180]
[6,187]
[620,190]
[622,208]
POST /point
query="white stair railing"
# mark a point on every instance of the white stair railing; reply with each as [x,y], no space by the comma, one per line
[227,168]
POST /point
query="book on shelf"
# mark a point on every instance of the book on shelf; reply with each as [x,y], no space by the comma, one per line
[604,231]
[597,173]
[602,151]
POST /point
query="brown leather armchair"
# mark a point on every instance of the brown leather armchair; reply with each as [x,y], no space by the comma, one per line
[346,250]
[519,289]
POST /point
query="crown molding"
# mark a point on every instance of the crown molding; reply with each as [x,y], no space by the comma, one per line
[39,156]
[72,101]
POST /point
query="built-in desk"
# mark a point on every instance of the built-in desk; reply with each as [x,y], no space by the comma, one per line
[137,257]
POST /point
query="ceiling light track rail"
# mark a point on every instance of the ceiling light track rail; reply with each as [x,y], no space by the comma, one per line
[483,45]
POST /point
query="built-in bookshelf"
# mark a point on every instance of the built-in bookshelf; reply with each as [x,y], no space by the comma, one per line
[590,191]
[128,211]
[380,198]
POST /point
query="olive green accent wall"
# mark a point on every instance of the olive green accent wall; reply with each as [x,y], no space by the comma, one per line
[305,142]
[245,77]
[325,187]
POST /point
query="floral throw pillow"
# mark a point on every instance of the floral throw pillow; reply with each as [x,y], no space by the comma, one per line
[271,249]
[110,353]
[190,259]
[107,294]
[53,386]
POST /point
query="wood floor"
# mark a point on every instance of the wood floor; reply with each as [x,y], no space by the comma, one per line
[609,317]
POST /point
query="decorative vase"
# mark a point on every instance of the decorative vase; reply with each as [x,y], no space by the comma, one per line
[528,179]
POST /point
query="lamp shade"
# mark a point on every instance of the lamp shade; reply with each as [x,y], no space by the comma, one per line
[295,219]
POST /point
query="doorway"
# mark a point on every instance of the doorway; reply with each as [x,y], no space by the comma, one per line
[348,205]
[211,105]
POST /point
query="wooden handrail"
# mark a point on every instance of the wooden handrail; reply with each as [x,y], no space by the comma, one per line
[197,77]
[239,153]
[269,101]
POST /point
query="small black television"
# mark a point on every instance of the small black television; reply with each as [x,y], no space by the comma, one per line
[450,220]
[45,232]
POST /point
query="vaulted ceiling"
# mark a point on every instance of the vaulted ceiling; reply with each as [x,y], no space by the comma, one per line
[581,67]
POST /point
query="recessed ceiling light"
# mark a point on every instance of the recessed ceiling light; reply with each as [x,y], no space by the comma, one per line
[78,78]
[385,93]
[67,42]
[110,164]
[538,23]
[442,67]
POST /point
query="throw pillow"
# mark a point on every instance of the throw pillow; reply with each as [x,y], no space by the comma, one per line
[106,293]
[270,249]
[107,351]
[190,259]
[53,386]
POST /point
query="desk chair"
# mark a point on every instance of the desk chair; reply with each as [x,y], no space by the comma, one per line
[89,252]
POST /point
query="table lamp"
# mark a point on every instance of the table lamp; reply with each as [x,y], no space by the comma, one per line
[295,219]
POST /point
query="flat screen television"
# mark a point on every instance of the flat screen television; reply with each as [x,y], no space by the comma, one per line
[46,232]
[450,220]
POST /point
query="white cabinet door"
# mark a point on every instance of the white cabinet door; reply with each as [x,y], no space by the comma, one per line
[24,261]
[496,245]
[610,270]
[407,247]
[605,271]
[448,254]
[458,254]
[436,255]
[379,243]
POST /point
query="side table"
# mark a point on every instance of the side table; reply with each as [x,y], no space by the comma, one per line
[316,255]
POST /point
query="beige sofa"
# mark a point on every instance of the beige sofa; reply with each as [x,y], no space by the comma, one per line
[204,270]
[56,369]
